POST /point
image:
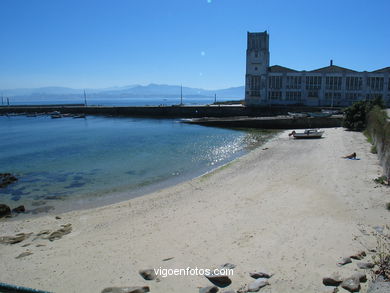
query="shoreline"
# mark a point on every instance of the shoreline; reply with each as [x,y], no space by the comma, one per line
[101,199]
[293,208]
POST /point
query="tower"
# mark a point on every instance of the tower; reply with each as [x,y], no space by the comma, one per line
[257,63]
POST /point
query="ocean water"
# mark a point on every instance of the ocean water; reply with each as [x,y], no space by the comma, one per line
[82,162]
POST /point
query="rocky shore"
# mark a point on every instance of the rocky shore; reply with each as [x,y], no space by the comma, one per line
[291,216]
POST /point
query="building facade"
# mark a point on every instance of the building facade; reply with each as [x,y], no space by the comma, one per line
[328,86]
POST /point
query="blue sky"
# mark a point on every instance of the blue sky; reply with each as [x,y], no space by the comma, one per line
[199,43]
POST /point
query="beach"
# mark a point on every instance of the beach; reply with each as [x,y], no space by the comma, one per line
[292,208]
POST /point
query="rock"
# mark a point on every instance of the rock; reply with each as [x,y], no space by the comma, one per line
[257,275]
[228,266]
[351,284]
[4,210]
[344,261]
[23,254]
[365,265]
[221,281]
[360,276]
[380,285]
[66,229]
[359,256]
[19,209]
[333,280]
[43,232]
[126,290]
[209,289]
[14,239]
[257,285]
[58,218]
[148,274]
[230,291]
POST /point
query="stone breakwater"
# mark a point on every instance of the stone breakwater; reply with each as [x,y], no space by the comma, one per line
[163,111]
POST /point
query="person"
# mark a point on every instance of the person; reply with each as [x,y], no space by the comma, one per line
[351,156]
[292,133]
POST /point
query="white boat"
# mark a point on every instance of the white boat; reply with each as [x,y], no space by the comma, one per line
[297,115]
[308,133]
[55,115]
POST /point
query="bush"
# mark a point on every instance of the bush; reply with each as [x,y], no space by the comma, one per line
[356,115]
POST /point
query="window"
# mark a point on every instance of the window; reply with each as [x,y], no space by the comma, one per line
[293,82]
[332,96]
[333,83]
[375,83]
[253,84]
[312,94]
[293,96]
[275,95]
[353,83]
[352,96]
[313,82]
[275,82]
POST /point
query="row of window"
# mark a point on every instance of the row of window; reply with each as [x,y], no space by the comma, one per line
[331,83]
[335,96]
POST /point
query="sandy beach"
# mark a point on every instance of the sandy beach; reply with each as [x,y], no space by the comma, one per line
[293,208]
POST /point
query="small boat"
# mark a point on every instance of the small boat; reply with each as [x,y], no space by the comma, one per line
[55,115]
[308,133]
[79,116]
[297,115]
[319,114]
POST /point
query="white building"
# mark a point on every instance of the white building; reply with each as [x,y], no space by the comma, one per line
[327,86]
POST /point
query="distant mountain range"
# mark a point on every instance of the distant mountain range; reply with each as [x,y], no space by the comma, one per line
[136,91]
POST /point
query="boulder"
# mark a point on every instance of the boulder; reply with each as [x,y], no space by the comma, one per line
[148,274]
[344,261]
[365,265]
[333,280]
[257,275]
[66,229]
[23,254]
[19,209]
[14,239]
[219,280]
[360,276]
[359,256]
[4,210]
[209,289]
[257,285]
[351,284]
[126,290]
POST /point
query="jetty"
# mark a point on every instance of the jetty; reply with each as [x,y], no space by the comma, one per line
[240,116]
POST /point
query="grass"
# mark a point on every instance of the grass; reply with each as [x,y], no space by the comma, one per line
[382,256]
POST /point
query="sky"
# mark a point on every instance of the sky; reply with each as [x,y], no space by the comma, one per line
[197,43]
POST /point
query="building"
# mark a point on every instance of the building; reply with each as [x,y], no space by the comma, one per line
[328,86]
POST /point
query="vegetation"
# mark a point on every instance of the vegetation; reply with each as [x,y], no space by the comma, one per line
[382,256]
[356,115]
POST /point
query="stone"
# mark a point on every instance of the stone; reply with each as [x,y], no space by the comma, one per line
[360,276]
[257,275]
[19,209]
[126,290]
[257,285]
[66,229]
[359,256]
[344,261]
[351,284]
[380,285]
[365,265]
[4,210]
[23,254]
[230,291]
[14,239]
[148,274]
[221,281]
[58,218]
[228,266]
[209,289]
[333,280]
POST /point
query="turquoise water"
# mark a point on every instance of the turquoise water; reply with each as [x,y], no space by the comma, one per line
[87,160]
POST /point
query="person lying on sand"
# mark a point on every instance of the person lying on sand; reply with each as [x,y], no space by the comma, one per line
[351,156]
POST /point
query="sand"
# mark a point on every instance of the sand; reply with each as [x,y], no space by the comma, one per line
[291,207]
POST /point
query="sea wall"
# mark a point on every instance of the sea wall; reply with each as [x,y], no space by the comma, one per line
[279,122]
[163,111]
[378,127]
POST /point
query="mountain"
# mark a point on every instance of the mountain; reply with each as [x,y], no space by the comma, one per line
[139,91]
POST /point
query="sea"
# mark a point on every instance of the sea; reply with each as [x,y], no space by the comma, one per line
[68,163]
